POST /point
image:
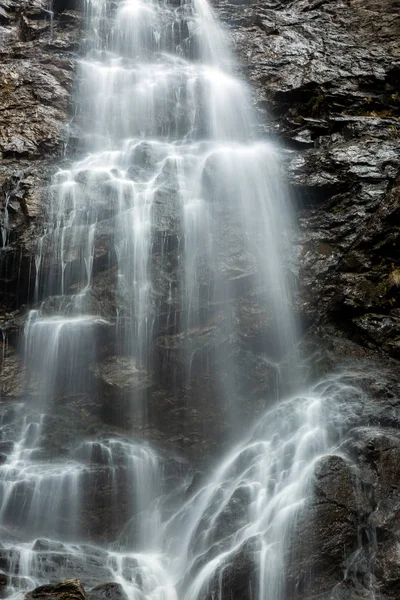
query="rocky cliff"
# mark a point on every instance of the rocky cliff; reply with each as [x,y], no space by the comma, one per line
[325,77]
[38,55]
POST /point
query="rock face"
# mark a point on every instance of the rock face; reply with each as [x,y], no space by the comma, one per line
[107,591]
[37,73]
[70,589]
[327,74]
[326,79]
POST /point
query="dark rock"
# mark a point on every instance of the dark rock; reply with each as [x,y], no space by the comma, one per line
[6,447]
[107,591]
[88,563]
[44,545]
[121,372]
[326,531]
[37,73]
[70,589]
[12,382]
[66,5]
[237,577]
[120,379]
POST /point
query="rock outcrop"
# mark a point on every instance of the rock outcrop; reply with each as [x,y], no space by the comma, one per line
[38,60]
[326,74]
[70,589]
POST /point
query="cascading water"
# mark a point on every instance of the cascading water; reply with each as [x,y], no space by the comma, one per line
[170,158]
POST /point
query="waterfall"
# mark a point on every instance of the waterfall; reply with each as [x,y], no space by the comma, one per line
[170,159]
[169,169]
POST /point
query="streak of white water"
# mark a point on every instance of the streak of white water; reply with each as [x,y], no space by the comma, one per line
[5,222]
[248,510]
[49,498]
[55,349]
[35,496]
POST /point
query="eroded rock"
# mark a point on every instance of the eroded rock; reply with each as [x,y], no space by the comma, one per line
[107,591]
[70,589]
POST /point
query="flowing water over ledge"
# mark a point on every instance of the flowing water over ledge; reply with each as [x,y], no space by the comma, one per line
[248,509]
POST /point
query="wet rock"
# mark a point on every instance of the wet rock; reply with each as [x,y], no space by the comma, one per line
[37,73]
[107,591]
[238,576]
[377,452]
[57,439]
[254,322]
[121,372]
[57,562]
[121,381]
[70,589]
[194,344]
[102,296]
[326,76]
[13,375]
[44,545]
[381,330]
[6,447]
[326,531]
[233,516]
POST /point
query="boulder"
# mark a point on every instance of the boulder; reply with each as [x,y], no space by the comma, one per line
[107,591]
[69,589]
